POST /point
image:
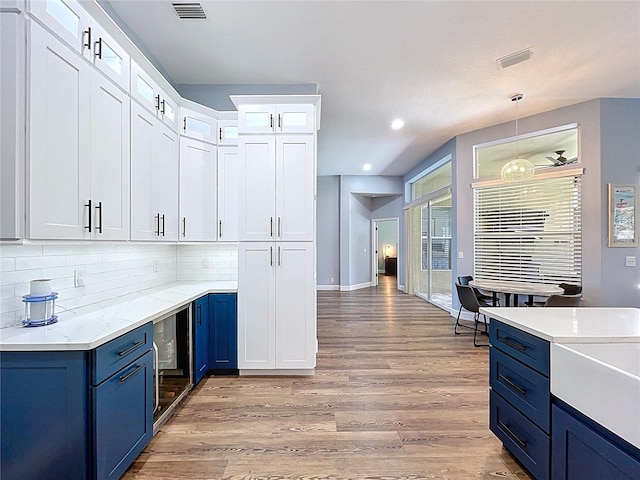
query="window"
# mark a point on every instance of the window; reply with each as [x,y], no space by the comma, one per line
[436,179]
[529,231]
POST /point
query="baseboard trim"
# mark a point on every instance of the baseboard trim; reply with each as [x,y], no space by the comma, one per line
[278,372]
[327,287]
[402,288]
[358,286]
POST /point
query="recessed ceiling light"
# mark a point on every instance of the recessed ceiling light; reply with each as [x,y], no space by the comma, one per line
[366,167]
[397,124]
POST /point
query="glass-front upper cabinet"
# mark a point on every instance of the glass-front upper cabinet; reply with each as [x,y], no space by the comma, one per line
[545,150]
[109,57]
[227,132]
[199,126]
[281,118]
[68,20]
[150,96]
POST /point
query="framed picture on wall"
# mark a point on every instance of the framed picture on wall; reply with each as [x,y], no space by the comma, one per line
[623,215]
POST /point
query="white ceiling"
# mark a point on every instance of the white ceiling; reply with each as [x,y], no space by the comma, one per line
[431,63]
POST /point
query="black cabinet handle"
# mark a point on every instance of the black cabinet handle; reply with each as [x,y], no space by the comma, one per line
[126,377]
[99,208]
[133,347]
[220,223]
[98,50]
[271,256]
[512,343]
[157,217]
[513,436]
[279,257]
[510,383]
[87,32]
[271,228]
[162,224]
[199,314]
[184,124]
[279,227]
[220,133]
[163,104]
[90,215]
[184,226]
[279,122]
[158,102]
[271,120]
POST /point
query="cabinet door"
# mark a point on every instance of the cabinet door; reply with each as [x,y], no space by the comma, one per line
[68,20]
[256,191]
[144,215]
[223,331]
[123,417]
[197,191]
[109,57]
[256,306]
[295,177]
[201,333]
[228,181]
[144,89]
[256,119]
[110,159]
[227,132]
[198,126]
[295,118]
[168,111]
[165,181]
[59,139]
[295,305]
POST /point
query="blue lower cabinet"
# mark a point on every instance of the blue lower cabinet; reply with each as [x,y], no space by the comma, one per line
[583,450]
[59,419]
[123,419]
[44,415]
[223,331]
[201,338]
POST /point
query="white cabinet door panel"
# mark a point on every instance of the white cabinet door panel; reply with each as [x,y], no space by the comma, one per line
[110,58]
[165,181]
[256,306]
[110,159]
[256,119]
[257,189]
[144,89]
[197,191]
[228,181]
[198,126]
[227,132]
[59,139]
[294,188]
[295,305]
[68,20]
[144,221]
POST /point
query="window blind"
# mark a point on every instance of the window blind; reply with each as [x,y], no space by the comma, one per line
[529,231]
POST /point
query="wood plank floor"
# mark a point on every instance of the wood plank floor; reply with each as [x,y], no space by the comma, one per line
[395,396]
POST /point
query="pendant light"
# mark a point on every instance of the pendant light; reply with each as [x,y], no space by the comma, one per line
[518,169]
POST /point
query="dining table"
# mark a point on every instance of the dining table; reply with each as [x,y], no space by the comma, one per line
[515,288]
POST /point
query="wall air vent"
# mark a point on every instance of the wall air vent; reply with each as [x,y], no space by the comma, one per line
[189,10]
[515,58]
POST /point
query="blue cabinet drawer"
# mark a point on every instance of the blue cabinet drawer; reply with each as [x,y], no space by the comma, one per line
[524,388]
[582,453]
[530,350]
[116,354]
[123,421]
[520,436]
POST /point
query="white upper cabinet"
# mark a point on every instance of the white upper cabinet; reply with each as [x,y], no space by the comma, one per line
[68,20]
[228,180]
[276,198]
[78,147]
[227,132]
[154,178]
[199,126]
[146,91]
[198,196]
[109,57]
[277,118]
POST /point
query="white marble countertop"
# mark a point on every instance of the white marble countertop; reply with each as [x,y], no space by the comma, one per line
[573,325]
[89,327]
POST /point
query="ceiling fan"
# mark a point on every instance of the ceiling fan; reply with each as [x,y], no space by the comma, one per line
[561,160]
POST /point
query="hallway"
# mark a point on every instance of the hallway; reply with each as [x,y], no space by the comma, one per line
[395,396]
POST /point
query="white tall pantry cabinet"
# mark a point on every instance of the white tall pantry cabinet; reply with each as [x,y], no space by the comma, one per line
[276,230]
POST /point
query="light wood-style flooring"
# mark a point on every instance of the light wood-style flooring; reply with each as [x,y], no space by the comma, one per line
[395,396]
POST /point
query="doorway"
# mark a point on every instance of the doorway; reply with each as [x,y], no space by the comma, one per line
[385,234]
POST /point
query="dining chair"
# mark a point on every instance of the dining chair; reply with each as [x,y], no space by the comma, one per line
[563,301]
[480,296]
[470,302]
[570,289]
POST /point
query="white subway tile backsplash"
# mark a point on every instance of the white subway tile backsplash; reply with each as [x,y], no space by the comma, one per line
[110,270]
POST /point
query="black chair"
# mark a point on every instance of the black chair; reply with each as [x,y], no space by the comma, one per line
[570,289]
[470,302]
[481,296]
[563,301]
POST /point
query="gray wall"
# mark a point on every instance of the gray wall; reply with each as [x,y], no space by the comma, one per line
[328,230]
[217,96]
[620,160]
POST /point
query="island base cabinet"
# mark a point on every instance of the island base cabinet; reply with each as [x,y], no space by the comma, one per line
[123,419]
[582,453]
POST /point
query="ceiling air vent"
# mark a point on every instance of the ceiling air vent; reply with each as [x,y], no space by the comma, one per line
[515,58]
[190,10]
